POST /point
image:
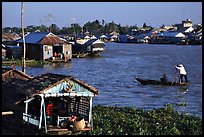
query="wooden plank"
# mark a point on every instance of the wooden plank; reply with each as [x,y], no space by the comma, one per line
[57,129]
[7,113]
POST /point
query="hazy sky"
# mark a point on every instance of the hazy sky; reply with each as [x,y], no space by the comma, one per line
[126,13]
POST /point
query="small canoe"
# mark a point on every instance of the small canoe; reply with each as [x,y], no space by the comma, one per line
[158,82]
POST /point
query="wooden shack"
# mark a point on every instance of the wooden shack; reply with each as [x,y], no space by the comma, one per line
[70,97]
[43,46]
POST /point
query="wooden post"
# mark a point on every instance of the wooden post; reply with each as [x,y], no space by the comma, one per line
[45,117]
[41,111]
[24,46]
[90,112]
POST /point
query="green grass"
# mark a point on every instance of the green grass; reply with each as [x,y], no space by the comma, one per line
[109,120]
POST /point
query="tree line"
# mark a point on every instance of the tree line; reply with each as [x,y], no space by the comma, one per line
[92,28]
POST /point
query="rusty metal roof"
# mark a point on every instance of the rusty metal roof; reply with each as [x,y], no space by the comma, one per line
[10,36]
[51,40]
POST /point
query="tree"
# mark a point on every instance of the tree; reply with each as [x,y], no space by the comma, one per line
[54,29]
[144,25]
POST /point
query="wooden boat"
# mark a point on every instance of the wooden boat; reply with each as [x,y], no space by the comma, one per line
[158,82]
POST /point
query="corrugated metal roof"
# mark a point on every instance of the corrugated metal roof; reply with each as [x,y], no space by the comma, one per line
[10,36]
[50,40]
[34,37]
[43,38]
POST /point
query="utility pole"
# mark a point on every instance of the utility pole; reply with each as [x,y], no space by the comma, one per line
[24,46]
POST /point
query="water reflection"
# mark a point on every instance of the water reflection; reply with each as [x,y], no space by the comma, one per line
[183,89]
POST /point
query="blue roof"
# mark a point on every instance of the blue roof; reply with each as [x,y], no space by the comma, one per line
[90,42]
[168,34]
[34,37]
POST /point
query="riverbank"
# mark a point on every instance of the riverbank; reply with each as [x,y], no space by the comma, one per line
[18,62]
[134,121]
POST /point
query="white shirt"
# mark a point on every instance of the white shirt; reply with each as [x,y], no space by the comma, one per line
[181,70]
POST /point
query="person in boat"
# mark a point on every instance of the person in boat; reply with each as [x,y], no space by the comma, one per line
[164,79]
[182,73]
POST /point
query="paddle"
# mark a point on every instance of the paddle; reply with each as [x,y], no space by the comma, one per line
[175,74]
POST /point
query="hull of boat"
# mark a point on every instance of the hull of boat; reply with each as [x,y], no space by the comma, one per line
[158,82]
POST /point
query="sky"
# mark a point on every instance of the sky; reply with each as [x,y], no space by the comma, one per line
[63,14]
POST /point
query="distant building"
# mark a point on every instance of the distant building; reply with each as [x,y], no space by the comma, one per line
[187,23]
[167,38]
[9,38]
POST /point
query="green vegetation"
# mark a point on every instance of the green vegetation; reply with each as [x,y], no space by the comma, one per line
[109,120]
[96,27]
[18,62]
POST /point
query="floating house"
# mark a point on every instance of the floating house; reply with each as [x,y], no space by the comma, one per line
[94,46]
[69,96]
[88,47]
[43,46]
[103,38]
[167,37]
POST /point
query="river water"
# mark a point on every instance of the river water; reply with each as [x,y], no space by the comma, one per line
[113,75]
